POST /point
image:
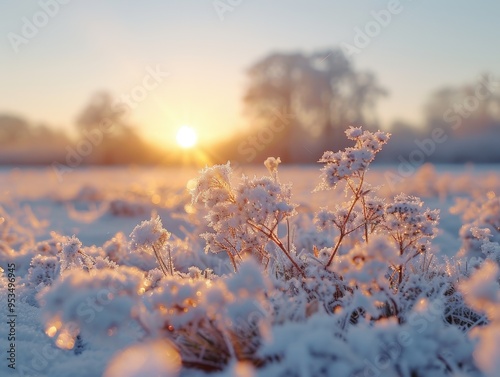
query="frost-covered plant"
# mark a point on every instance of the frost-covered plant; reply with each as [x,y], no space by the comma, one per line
[319,346]
[410,227]
[362,296]
[73,257]
[349,167]
[43,270]
[116,248]
[490,250]
[365,269]
[245,218]
[483,213]
[119,250]
[12,233]
[384,238]
[96,304]
[52,246]
[150,235]
[482,292]
[212,322]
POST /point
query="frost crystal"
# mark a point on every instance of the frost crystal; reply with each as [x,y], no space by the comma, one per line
[150,236]
[149,233]
[72,256]
[271,164]
[351,162]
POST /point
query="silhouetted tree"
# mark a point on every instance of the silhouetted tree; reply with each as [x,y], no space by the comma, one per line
[13,129]
[316,95]
[102,108]
[473,108]
[121,144]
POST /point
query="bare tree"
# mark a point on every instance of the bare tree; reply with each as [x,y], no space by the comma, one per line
[322,91]
[122,144]
[13,129]
[470,109]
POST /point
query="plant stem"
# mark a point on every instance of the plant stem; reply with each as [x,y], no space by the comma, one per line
[163,267]
[170,262]
[343,233]
[288,233]
[278,243]
[335,250]
[365,217]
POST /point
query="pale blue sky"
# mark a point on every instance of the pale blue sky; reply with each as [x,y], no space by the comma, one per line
[94,44]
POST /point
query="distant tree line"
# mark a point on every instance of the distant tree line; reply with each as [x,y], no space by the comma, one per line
[297,106]
[469,117]
[22,143]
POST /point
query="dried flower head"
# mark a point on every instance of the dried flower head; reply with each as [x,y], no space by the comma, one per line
[148,234]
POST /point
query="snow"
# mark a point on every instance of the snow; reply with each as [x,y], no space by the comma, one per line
[150,359]
[92,301]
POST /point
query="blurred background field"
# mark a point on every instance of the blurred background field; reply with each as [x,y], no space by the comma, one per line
[96,203]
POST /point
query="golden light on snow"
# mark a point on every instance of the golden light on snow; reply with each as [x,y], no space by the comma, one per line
[186,137]
[422,305]
[51,331]
[156,358]
[243,369]
[53,327]
[65,341]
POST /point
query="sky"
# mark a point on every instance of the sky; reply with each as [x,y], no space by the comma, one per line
[184,61]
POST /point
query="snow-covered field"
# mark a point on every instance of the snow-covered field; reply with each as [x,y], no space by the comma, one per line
[104,300]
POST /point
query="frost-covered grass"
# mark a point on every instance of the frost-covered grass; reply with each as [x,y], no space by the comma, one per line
[293,271]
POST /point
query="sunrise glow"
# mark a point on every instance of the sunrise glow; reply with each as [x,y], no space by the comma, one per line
[186,137]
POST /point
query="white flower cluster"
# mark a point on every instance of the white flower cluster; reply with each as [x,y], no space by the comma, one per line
[482,292]
[72,255]
[368,263]
[370,213]
[243,218]
[272,164]
[96,303]
[339,217]
[150,236]
[481,214]
[408,224]
[223,314]
[359,217]
[43,270]
[351,162]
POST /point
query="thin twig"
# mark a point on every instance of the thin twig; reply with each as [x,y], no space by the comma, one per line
[161,262]
[288,233]
[342,228]
[277,241]
[171,263]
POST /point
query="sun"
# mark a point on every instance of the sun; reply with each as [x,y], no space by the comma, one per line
[186,137]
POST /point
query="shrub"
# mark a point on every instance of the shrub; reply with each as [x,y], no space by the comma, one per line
[372,299]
